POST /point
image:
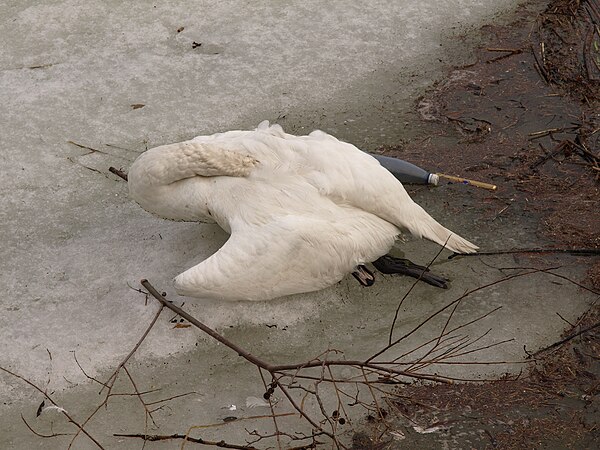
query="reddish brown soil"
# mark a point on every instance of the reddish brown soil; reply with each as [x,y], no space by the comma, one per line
[498,120]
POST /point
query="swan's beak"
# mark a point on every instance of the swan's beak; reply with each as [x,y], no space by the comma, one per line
[364,276]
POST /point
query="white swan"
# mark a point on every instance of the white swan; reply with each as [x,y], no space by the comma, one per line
[302,211]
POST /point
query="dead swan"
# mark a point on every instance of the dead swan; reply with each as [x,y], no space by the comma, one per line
[302,211]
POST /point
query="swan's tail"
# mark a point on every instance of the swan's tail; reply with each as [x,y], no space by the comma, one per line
[421,224]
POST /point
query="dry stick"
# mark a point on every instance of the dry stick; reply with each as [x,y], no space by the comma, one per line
[240,351]
[85,147]
[541,69]
[118,172]
[448,341]
[65,413]
[221,424]
[191,319]
[315,363]
[505,50]
[440,335]
[334,381]
[340,405]
[37,433]
[378,409]
[275,369]
[396,359]
[449,349]
[157,437]
[301,411]
[509,52]
[278,434]
[562,341]
[558,149]
[546,132]
[137,345]
[332,424]
[410,290]
[587,46]
[571,281]
[573,251]
[463,363]
[148,413]
[85,373]
[111,380]
[510,277]
[460,346]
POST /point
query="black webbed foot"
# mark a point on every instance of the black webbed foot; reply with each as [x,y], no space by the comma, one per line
[388,264]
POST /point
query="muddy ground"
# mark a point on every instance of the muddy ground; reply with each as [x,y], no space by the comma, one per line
[524,115]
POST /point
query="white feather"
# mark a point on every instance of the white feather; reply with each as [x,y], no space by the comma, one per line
[302,211]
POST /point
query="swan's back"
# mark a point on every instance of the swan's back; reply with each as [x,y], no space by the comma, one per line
[339,171]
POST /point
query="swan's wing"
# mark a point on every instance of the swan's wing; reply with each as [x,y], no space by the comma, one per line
[288,255]
[258,263]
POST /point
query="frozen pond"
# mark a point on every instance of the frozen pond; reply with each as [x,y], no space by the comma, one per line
[88,86]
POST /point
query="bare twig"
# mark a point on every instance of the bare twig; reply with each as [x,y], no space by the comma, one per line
[118,172]
[572,251]
[411,288]
[85,147]
[108,385]
[47,396]
[420,325]
[567,339]
[37,433]
[166,437]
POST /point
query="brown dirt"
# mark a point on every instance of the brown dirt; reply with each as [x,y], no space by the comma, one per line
[526,119]
[498,120]
[554,405]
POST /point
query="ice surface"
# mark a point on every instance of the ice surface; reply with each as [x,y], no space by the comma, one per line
[73,241]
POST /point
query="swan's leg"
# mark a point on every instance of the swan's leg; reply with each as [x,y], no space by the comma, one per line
[364,276]
[388,264]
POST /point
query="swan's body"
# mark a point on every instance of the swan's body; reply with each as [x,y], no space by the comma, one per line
[302,211]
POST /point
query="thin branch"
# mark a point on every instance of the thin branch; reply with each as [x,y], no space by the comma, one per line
[111,380]
[47,396]
[302,413]
[572,251]
[277,432]
[43,435]
[137,345]
[139,396]
[161,437]
[118,173]
[439,311]
[212,333]
[85,373]
[411,288]
[567,339]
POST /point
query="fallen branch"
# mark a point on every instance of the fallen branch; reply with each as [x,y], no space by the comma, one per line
[509,52]
[85,147]
[65,413]
[567,339]
[540,68]
[118,172]
[277,368]
[108,385]
[161,437]
[572,251]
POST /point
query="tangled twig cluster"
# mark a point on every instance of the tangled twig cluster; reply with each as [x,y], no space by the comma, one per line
[319,391]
